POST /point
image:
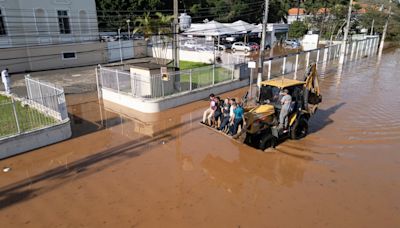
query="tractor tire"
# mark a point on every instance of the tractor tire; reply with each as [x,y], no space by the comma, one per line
[267,141]
[299,129]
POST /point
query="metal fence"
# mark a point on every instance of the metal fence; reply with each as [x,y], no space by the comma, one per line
[45,106]
[154,86]
[297,63]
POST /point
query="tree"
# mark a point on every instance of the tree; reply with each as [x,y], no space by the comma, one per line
[297,29]
[158,30]
[112,14]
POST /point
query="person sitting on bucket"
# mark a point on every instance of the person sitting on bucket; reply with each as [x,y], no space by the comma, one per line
[5,78]
[237,119]
[286,100]
[209,112]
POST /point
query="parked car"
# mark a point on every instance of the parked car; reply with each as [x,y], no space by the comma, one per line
[240,46]
[254,45]
[191,44]
[292,43]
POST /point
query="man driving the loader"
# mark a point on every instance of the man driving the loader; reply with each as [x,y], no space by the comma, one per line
[286,100]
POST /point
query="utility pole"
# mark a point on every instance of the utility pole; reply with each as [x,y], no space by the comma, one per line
[175,30]
[262,48]
[346,33]
[129,28]
[384,31]
[298,10]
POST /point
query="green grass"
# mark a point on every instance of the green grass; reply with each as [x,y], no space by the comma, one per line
[28,118]
[204,77]
[186,65]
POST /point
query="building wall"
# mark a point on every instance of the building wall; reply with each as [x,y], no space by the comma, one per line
[51,57]
[34,22]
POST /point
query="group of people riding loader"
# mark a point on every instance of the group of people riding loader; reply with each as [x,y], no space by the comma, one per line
[228,115]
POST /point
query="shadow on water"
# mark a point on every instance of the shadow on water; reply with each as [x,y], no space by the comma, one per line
[322,118]
[81,127]
[18,192]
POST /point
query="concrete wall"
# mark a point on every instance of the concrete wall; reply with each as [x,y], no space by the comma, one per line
[153,106]
[21,59]
[31,140]
[193,56]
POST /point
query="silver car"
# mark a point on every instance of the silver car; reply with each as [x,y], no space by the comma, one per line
[240,46]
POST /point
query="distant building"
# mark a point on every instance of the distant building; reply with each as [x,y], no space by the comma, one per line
[48,34]
[295,14]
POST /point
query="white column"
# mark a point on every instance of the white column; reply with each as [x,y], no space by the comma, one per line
[318,53]
[269,69]
[284,65]
[296,66]
[307,59]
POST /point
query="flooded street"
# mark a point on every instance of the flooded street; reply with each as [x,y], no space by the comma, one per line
[126,169]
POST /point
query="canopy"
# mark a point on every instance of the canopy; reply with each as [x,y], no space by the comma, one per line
[212,28]
[257,29]
[242,26]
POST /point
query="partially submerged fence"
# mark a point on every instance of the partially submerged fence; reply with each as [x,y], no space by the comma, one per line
[179,82]
[154,87]
[296,63]
[45,106]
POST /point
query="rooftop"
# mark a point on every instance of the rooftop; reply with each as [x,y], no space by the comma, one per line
[282,82]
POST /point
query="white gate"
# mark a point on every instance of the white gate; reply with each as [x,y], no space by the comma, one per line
[117,49]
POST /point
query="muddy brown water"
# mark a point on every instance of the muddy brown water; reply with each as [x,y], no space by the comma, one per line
[126,169]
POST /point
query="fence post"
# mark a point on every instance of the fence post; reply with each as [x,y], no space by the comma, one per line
[190,80]
[358,49]
[162,87]
[370,47]
[307,59]
[15,115]
[41,95]
[213,74]
[284,65]
[318,53]
[269,69]
[353,47]
[116,74]
[97,84]
[233,71]
[296,65]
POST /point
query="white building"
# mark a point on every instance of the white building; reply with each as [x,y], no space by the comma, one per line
[48,34]
[30,22]
[295,14]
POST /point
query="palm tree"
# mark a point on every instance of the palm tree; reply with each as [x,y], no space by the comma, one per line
[158,30]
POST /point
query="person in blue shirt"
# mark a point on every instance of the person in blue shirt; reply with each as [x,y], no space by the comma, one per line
[237,119]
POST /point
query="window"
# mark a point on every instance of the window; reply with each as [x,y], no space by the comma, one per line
[69,55]
[41,22]
[2,24]
[63,22]
[83,18]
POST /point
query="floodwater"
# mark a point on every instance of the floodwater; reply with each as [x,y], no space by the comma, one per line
[126,169]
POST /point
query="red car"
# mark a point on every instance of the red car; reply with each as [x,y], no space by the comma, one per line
[254,45]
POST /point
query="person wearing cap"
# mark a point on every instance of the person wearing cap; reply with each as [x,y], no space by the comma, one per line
[5,78]
[286,100]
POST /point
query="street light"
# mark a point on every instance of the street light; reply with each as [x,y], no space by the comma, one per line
[129,28]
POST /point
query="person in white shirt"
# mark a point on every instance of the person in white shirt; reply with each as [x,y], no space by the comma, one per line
[5,78]
[283,116]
